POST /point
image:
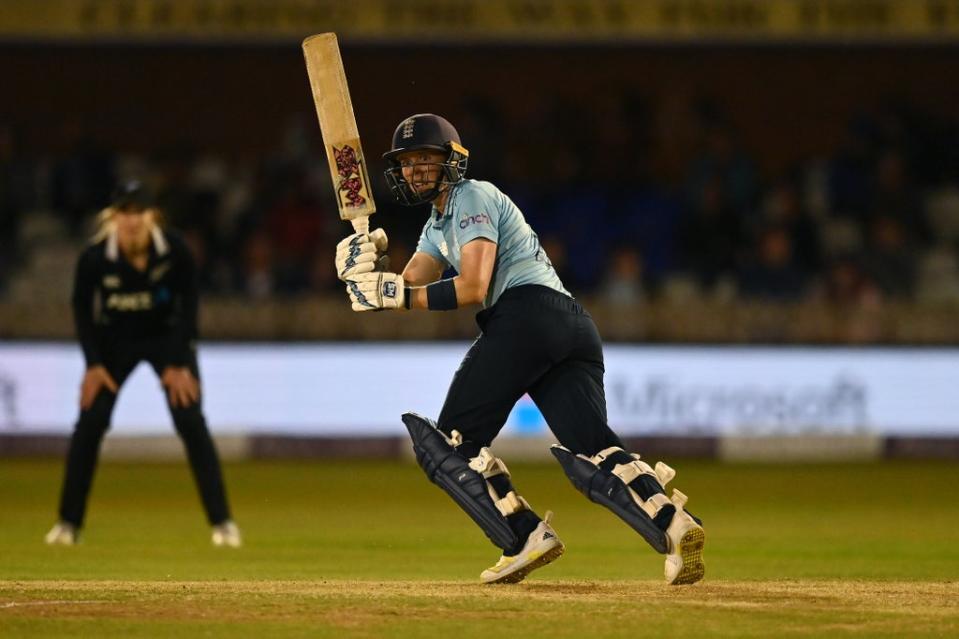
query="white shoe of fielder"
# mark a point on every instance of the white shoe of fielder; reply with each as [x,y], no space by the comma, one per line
[227,534]
[542,547]
[62,534]
[684,562]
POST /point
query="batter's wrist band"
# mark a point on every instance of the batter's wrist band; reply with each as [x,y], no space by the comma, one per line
[441,296]
[407,297]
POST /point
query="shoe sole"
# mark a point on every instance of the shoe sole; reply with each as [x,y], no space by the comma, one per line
[519,575]
[60,542]
[691,551]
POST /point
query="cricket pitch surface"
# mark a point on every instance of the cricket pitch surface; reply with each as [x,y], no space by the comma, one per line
[371,549]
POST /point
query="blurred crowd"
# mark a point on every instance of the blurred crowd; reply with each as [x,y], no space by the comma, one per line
[621,213]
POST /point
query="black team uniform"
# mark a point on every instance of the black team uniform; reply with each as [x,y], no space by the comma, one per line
[124,316]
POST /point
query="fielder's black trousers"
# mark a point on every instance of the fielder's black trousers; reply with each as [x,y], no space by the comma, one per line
[534,340]
[120,360]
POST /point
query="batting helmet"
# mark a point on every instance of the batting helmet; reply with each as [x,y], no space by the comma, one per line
[425,131]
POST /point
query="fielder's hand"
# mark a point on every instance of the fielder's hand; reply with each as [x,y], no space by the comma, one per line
[361,253]
[376,291]
[96,378]
[182,387]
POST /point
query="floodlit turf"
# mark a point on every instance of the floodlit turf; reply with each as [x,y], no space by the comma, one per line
[370,549]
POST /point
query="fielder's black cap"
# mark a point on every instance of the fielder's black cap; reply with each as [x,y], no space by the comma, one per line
[132,193]
[423,131]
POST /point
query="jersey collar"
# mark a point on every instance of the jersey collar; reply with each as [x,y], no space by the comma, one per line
[439,221]
[160,244]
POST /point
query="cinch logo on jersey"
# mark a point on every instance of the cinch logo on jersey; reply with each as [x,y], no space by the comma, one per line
[140,301]
[480,218]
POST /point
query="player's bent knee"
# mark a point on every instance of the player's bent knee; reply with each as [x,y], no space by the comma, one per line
[467,481]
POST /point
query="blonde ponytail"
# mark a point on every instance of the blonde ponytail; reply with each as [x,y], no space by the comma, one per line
[106,222]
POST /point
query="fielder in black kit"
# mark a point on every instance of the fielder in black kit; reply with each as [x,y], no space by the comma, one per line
[536,338]
[134,300]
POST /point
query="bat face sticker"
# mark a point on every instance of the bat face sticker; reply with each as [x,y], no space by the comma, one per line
[351,185]
[341,138]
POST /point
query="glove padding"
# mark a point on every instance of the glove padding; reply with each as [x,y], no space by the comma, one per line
[361,253]
[376,291]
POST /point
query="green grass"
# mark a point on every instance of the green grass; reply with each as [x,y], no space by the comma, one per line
[371,549]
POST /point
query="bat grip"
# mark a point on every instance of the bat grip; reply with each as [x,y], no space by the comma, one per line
[379,240]
[361,224]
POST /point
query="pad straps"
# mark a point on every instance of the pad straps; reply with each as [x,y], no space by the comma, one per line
[490,466]
[629,472]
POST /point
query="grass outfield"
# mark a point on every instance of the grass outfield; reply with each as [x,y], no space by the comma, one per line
[371,549]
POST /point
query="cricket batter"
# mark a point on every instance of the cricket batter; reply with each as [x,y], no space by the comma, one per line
[535,339]
[135,299]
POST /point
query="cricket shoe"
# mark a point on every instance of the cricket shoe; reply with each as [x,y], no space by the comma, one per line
[62,534]
[227,534]
[542,547]
[684,562]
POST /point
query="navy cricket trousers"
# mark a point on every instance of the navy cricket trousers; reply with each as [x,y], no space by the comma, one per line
[539,341]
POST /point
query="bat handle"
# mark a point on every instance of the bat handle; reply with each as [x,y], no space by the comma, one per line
[379,240]
[361,224]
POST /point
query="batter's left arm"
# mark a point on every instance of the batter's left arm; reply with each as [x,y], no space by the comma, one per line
[380,291]
[477,259]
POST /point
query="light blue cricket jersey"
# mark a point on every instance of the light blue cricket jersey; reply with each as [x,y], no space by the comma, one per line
[479,209]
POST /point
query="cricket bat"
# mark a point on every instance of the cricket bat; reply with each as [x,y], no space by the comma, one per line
[351,182]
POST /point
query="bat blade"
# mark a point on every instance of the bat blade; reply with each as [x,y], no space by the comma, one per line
[331,95]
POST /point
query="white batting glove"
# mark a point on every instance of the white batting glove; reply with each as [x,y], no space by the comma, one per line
[360,253]
[376,291]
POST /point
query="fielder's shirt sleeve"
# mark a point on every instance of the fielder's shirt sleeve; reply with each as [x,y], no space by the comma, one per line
[183,329]
[84,289]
